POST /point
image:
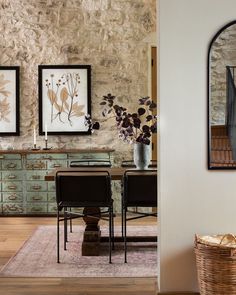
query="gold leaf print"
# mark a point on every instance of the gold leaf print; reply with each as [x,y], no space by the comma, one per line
[66,105]
[64,94]
[3,82]
[58,107]
[77,110]
[52,96]
[4,110]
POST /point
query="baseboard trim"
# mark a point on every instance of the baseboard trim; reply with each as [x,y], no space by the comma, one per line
[178,293]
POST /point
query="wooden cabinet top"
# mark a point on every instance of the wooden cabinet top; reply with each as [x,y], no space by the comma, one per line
[56,151]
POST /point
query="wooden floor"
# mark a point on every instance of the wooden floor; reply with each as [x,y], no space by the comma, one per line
[14,231]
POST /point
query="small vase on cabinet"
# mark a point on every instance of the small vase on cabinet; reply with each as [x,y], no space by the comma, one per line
[142,155]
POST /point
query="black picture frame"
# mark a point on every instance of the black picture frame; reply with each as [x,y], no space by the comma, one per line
[9,101]
[64,99]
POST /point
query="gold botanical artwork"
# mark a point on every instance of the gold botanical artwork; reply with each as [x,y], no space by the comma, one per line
[4,100]
[63,95]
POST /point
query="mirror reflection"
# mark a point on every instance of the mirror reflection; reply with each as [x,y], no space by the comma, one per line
[222,99]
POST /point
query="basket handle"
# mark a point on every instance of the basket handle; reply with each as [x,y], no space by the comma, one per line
[228,235]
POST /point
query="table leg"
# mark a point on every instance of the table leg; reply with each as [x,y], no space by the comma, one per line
[92,233]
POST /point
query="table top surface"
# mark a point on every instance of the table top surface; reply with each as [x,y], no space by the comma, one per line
[115,172]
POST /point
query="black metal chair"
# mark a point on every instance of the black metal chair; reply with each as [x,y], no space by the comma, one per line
[91,163]
[79,189]
[140,190]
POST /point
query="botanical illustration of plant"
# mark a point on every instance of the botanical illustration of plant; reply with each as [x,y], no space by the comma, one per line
[4,97]
[63,97]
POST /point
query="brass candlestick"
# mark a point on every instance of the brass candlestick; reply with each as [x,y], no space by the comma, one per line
[35,148]
[46,145]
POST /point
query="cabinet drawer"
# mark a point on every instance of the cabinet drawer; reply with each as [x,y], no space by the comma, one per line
[46,156]
[36,208]
[10,156]
[12,197]
[51,186]
[36,165]
[36,186]
[15,186]
[12,208]
[12,175]
[57,164]
[35,175]
[52,208]
[88,156]
[52,197]
[11,165]
[36,197]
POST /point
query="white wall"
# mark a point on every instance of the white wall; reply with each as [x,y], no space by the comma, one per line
[191,198]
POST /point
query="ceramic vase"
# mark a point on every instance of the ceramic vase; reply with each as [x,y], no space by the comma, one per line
[142,155]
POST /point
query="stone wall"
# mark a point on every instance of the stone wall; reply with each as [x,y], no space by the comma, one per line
[223,53]
[106,34]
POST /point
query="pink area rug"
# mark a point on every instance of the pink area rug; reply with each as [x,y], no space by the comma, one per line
[37,257]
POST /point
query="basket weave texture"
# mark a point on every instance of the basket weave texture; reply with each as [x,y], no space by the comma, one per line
[216,264]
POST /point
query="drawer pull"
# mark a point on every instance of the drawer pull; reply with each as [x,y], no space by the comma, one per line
[12,208]
[47,158]
[36,166]
[12,197]
[36,187]
[11,165]
[12,176]
[57,165]
[12,187]
[36,209]
[36,198]
[35,176]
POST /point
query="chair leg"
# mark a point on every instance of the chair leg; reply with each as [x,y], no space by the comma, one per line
[125,242]
[58,238]
[65,228]
[70,222]
[112,228]
[122,217]
[110,232]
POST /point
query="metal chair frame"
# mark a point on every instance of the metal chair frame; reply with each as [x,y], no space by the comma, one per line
[69,215]
[127,200]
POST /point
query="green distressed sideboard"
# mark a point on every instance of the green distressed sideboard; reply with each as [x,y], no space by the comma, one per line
[23,188]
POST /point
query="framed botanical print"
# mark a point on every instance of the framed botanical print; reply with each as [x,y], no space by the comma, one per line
[64,99]
[9,100]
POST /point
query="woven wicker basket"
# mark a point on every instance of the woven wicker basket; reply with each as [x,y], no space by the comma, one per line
[216,264]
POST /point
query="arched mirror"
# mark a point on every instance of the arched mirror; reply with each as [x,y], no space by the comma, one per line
[222,99]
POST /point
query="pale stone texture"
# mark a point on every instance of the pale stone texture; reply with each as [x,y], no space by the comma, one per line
[223,53]
[106,34]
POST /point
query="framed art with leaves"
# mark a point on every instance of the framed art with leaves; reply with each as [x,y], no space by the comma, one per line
[64,99]
[9,100]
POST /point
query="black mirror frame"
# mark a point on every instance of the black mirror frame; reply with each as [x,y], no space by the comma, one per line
[209,97]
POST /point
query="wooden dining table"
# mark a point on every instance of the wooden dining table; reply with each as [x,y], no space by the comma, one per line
[116,173]
[92,238]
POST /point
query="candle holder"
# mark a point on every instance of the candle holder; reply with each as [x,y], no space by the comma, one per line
[35,148]
[46,145]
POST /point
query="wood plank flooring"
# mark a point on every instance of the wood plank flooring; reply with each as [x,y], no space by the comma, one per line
[14,231]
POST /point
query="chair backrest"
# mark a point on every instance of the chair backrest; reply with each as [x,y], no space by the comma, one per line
[140,188]
[91,163]
[130,164]
[83,188]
